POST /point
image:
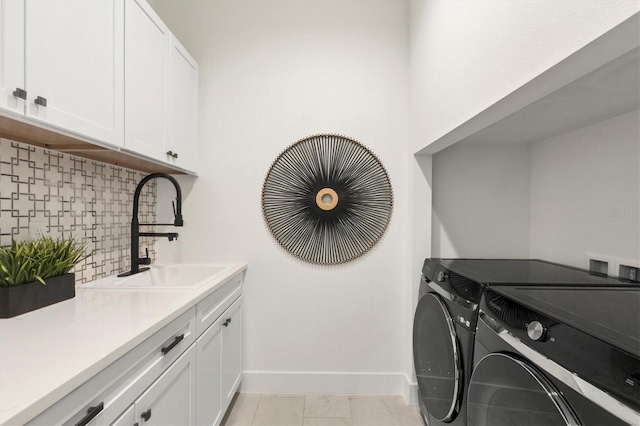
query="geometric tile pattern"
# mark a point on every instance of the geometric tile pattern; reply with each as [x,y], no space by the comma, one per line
[73,196]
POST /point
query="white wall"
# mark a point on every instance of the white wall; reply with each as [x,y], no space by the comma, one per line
[272,72]
[468,54]
[585,192]
[556,199]
[481,201]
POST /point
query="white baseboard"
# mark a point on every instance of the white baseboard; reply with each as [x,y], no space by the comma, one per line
[410,392]
[294,382]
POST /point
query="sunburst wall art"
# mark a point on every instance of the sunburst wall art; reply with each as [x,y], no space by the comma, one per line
[327,199]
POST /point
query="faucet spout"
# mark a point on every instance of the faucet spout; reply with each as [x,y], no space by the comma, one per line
[178,203]
[136,261]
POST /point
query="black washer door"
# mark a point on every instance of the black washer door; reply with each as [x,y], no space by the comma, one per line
[437,358]
[506,390]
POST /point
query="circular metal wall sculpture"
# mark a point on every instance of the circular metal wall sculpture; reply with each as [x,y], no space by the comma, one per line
[327,199]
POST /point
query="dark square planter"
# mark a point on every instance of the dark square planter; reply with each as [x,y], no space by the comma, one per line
[29,297]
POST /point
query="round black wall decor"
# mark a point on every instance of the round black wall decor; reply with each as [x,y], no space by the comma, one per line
[327,199]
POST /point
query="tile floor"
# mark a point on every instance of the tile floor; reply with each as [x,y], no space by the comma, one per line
[320,410]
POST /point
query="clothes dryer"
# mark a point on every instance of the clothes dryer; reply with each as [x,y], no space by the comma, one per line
[556,356]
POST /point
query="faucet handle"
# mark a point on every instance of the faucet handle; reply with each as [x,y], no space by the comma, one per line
[146,260]
[178,219]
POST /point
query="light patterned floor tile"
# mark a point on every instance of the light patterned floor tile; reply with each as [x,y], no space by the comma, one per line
[327,421]
[327,406]
[410,415]
[374,411]
[279,410]
[321,410]
[243,410]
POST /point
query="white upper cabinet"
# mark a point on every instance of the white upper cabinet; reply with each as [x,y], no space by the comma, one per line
[107,71]
[12,88]
[147,49]
[74,71]
[183,107]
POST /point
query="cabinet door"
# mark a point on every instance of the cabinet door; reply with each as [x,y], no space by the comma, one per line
[171,400]
[146,80]
[128,418]
[231,351]
[183,107]
[209,345]
[12,55]
[74,59]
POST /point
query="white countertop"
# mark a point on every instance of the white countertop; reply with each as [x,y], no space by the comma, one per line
[47,353]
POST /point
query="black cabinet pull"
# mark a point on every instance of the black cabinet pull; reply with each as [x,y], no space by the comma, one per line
[166,350]
[20,93]
[175,155]
[92,412]
[227,322]
[170,153]
[41,101]
[146,415]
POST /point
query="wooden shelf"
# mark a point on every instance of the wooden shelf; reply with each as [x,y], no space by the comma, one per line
[599,81]
[21,131]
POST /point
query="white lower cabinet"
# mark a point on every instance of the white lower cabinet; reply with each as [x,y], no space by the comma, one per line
[210,375]
[171,400]
[231,352]
[184,374]
[128,418]
[219,365]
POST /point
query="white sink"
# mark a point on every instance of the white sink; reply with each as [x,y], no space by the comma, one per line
[164,277]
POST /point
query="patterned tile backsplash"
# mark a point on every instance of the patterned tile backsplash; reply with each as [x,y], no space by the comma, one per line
[73,196]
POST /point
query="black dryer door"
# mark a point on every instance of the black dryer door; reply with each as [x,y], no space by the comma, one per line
[507,390]
[436,356]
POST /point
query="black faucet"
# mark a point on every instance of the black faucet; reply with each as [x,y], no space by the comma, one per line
[136,260]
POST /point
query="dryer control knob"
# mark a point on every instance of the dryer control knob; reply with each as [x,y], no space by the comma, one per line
[442,277]
[536,331]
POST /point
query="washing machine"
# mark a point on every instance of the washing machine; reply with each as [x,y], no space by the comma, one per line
[556,355]
[443,336]
[446,316]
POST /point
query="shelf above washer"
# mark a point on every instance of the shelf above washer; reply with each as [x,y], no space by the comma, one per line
[597,82]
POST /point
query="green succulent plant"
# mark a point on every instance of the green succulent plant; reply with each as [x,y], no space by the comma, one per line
[36,260]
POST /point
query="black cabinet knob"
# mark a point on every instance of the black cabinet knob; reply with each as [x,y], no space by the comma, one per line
[170,153]
[20,93]
[146,415]
[41,101]
[227,322]
[175,155]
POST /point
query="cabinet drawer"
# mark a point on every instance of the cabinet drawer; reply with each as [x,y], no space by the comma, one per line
[118,385]
[209,309]
[171,400]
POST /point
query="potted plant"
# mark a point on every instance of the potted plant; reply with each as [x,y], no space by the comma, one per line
[35,273]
